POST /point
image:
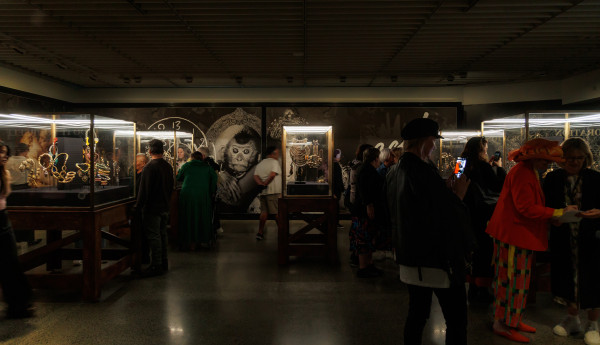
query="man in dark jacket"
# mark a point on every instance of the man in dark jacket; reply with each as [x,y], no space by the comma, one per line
[154,197]
[430,225]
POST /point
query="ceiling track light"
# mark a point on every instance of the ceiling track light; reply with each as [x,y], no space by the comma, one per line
[394,78]
[342,79]
[126,80]
[93,77]
[239,80]
[290,80]
[137,80]
[189,79]
[17,49]
[60,65]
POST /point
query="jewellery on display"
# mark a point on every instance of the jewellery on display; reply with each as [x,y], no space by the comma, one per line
[29,164]
[83,173]
[62,176]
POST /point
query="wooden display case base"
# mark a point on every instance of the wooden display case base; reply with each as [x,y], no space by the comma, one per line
[319,214]
[89,225]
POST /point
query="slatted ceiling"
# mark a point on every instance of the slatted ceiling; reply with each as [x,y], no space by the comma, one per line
[315,42]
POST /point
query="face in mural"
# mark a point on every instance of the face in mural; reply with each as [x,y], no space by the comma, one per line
[241,152]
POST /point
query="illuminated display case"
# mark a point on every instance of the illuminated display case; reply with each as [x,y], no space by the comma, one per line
[507,134]
[178,145]
[451,148]
[76,160]
[307,153]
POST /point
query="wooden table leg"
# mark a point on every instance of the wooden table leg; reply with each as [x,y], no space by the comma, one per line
[283,233]
[92,257]
[54,261]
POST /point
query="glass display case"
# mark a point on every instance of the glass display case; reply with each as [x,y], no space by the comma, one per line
[307,153]
[507,134]
[77,160]
[178,145]
[451,148]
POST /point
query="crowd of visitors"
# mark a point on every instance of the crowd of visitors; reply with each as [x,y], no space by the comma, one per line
[487,225]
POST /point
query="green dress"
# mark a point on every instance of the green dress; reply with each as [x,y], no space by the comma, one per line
[195,202]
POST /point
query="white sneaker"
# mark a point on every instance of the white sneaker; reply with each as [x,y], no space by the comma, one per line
[568,326]
[592,336]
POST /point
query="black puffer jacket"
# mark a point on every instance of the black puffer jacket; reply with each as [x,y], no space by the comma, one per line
[430,224]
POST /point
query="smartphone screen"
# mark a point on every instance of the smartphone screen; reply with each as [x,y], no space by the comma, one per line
[460,166]
[497,155]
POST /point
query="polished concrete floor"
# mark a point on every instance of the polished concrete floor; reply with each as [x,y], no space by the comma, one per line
[237,294]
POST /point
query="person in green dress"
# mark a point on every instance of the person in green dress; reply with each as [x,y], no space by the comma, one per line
[195,203]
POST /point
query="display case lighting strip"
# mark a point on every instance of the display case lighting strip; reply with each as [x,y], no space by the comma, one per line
[154,134]
[306,129]
[17,120]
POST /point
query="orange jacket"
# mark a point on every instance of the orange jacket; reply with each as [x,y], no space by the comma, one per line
[520,217]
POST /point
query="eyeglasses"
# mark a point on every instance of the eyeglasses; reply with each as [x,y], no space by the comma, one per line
[574,158]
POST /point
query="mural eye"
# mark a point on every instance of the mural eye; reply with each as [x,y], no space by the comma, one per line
[235,150]
[246,151]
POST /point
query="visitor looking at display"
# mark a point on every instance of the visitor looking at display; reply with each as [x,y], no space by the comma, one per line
[268,175]
[154,197]
[481,198]
[195,207]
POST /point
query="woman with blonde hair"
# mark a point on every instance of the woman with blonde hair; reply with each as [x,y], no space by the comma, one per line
[575,247]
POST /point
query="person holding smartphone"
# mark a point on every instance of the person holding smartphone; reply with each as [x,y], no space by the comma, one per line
[481,199]
[431,230]
[519,226]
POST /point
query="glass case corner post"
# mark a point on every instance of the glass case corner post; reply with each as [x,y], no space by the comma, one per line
[92,163]
[330,163]
[284,160]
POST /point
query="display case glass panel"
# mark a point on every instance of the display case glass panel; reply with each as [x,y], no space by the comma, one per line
[178,145]
[504,135]
[450,148]
[75,160]
[307,153]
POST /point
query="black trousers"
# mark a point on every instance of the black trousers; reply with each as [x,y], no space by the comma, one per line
[15,287]
[453,301]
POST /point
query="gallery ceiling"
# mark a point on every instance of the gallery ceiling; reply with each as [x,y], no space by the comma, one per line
[312,43]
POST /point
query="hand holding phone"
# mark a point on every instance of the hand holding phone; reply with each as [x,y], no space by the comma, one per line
[459,169]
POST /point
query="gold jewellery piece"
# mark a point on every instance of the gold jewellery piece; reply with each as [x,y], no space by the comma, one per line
[29,164]
[62,176]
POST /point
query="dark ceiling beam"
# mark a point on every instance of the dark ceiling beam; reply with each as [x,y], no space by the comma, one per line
[468,65]
[52,58]
[407,41]
[72,27]
[200,39]
[470,5]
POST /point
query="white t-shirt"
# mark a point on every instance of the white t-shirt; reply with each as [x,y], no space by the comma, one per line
[264,169]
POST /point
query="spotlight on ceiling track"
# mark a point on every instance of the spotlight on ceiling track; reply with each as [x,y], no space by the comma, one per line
[450,78]
[61,65]
[342,79]
[126,80]
[137,80]
[239,80]
[189,79]
[393,78]
[290,80]
[93,77]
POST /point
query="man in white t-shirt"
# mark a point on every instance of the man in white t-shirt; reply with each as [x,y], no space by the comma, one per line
[268,174]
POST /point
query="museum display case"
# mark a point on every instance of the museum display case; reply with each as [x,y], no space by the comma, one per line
[75,160]
[178,145]
[307,153]
[509,133]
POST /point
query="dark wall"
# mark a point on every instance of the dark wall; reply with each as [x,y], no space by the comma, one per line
[12,101]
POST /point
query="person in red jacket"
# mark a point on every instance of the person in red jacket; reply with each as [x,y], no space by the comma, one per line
[519,226]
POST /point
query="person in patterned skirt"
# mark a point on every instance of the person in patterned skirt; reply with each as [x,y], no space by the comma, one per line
[519,226]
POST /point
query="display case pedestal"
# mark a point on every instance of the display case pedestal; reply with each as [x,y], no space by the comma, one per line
[318,213]
[89,224]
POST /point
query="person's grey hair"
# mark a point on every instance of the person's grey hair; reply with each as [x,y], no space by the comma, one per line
[204,151]
[385,154]
[581,145]
[144,156]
